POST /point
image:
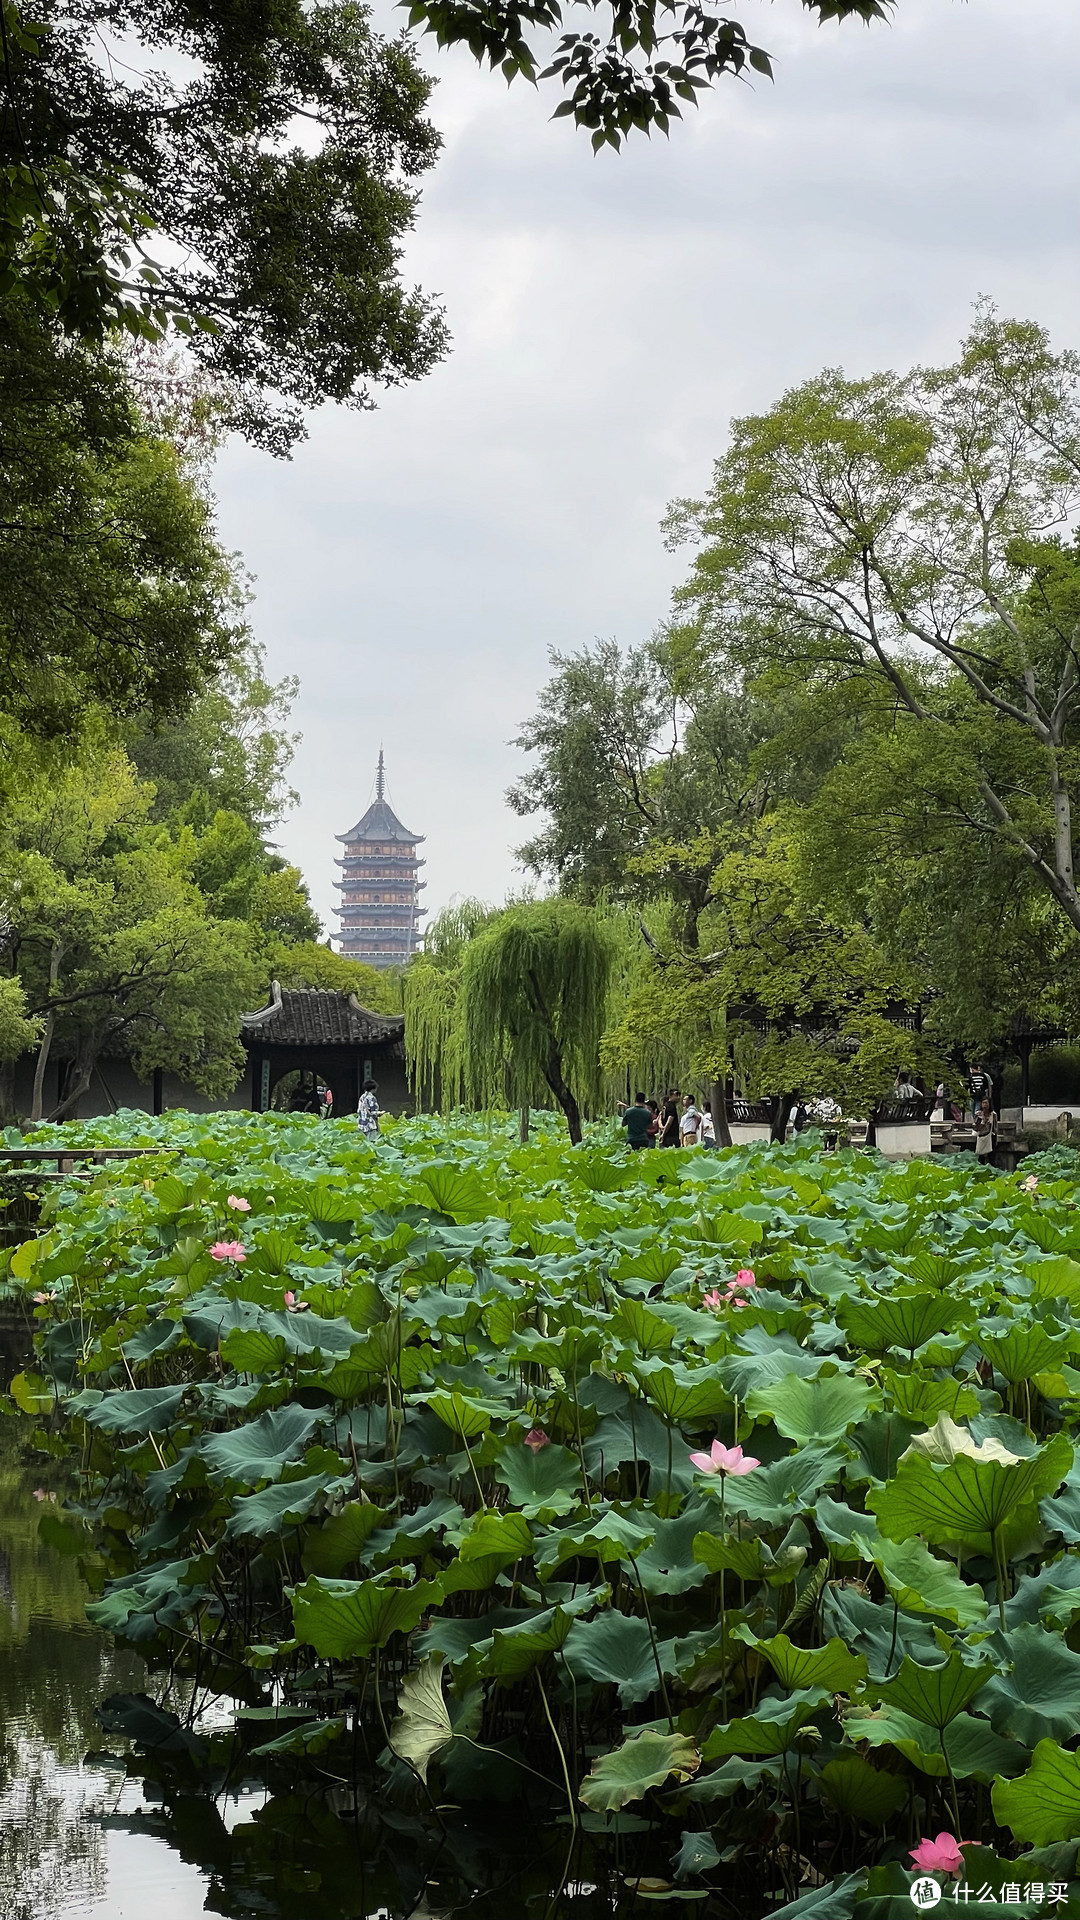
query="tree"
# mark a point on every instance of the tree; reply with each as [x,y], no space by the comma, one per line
[279,256]
[508,1007]
[229,750]
[897,535]
[113,589]
[534,993]
[782,997]
[650,771]
[109,938]
[613,80]
[308,964]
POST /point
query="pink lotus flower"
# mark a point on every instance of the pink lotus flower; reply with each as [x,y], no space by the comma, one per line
[942,1855]
[41,1299]
[1031,1184]
[744,1278]
[228,1250]
[714,1300]
[721,1459]
[536,1438]
[290,1298]
[238,1206]
[40,1494]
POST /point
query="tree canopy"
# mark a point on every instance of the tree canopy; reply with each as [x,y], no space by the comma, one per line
[152,170]
[113,589]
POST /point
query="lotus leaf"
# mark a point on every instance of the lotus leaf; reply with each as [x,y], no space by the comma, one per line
[859,1791]
[543,1481]
[813,1412]
[644,1760]
[618,1647]
[1039,1697]
[262,1449]
[306,1740]
[348,1619]
[771,1728]
[906,1320]
[276,1507]
[933,1694]
[833,1666]
[1044,1804]
[968,1500]
[422,1728]
[341,1540]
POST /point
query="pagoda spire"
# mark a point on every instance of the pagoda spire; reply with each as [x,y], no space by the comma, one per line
[380,778]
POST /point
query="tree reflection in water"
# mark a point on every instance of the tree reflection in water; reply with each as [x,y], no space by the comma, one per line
[54,1671]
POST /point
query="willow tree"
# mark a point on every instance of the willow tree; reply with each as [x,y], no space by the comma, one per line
[535,986]
[431,996]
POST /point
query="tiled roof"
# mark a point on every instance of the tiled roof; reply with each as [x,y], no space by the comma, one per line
[318,1016]
[380,822]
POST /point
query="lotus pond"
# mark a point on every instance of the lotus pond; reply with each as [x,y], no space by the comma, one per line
[472,1527]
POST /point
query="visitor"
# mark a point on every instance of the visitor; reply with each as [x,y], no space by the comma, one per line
[638,1122]
[367,1113]
[800,1120]
[708,1130]
[981,1087]
[689,1122]
[669,1119]
[654,1130]
[985,1123]
[905,1088]
[939,1101]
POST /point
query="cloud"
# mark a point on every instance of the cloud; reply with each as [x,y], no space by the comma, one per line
[610,315]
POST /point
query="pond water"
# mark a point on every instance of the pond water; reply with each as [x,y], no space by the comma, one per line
[81,1840]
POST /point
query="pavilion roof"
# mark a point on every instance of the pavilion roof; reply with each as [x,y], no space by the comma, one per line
[318,1016]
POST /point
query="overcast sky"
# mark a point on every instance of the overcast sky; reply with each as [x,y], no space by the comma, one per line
[609,316]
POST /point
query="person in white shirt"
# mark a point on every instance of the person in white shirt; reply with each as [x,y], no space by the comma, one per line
[689,1122]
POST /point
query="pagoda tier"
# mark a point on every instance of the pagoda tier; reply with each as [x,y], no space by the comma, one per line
[379,910]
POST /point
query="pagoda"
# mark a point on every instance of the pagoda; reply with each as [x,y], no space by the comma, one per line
[380,890]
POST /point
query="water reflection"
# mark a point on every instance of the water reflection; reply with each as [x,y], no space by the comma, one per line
[56,1861]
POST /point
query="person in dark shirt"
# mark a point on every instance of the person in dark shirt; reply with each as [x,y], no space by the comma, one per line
[669,1119]
[638,1121]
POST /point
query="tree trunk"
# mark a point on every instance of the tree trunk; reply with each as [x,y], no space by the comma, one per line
[718,1109]
[523,1126]
[784,1109]
[40,1064]
[42,1061]
[80,1080]
[553,1074]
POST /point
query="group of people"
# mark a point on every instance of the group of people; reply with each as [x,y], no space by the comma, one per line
[677,1121]
[980,1105]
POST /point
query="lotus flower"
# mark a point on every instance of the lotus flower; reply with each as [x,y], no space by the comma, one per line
[41,1299]
[238,1206]
[1031,1184]
[228,1250]
[744,1278]
[942,1855]
[290,1298]
[721,1459]
[40,1494]
[713,1300]
[536,1438]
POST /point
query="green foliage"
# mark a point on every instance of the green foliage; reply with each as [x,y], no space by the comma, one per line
[612,78]
[899,546]
[454,1492]
[113,588]
[131,199]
